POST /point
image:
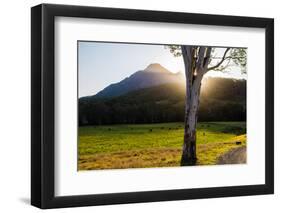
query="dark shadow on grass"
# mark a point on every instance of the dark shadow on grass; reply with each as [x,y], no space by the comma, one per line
[236,127]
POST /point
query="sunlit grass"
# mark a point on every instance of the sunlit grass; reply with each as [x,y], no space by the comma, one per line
[153,145]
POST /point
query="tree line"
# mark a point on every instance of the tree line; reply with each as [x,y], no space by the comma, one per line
[221,100]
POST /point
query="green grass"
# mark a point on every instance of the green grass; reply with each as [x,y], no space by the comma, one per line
[153,145]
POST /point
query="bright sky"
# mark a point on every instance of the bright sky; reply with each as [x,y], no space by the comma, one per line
[101,64]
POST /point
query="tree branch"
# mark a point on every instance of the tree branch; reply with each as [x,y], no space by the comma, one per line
[207,58]
[223,67]
[187,59]
[200,59]
[227,57]
[220,63]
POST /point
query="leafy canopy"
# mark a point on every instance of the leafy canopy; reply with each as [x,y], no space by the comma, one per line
[222,59]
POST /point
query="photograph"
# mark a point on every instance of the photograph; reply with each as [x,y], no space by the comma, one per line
[160,105]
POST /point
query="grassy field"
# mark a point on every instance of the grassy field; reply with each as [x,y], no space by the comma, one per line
[154,145]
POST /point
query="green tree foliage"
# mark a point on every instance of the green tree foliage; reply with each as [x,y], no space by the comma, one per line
[222,59]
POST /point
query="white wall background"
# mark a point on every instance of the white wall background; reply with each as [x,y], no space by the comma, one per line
[15,105]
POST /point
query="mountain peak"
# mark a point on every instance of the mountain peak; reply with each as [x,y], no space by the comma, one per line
[156,67]
[154,75]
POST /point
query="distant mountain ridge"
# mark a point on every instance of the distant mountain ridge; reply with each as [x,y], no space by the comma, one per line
[153,75]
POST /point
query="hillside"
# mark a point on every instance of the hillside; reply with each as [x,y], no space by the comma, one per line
[152,75]
[221,99]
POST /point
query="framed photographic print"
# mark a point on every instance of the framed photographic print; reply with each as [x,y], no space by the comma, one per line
[139,106]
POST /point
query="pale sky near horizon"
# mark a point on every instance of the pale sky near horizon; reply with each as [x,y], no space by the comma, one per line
[101,64]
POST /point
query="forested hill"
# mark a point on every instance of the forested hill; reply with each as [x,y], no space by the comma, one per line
[152,75]
[222,99]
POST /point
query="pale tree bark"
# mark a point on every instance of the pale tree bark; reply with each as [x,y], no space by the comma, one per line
[196,60]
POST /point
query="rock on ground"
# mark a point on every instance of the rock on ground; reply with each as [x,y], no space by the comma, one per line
[234,156]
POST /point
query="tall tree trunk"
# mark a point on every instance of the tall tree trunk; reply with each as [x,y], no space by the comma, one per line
[196,62]
[189,145]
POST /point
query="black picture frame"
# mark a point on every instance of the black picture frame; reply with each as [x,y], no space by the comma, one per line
[43,117]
